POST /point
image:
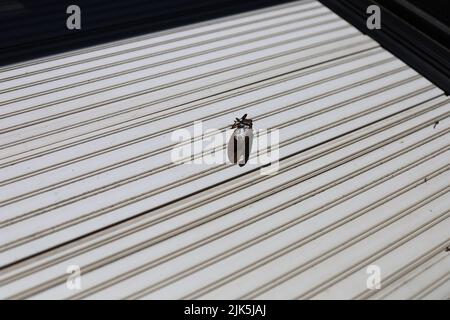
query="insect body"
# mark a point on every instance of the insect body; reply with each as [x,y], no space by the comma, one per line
[240,144]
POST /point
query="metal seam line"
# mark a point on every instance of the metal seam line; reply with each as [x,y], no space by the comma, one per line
[393,156]
[347,143]
[240,90]
[147,193]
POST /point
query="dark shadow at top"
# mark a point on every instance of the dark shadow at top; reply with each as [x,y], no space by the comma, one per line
[32,29]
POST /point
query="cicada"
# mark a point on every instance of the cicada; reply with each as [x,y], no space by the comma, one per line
[240,144]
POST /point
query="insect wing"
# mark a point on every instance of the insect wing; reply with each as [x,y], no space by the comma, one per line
[240,146]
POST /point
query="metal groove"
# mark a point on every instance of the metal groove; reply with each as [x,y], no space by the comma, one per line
[445,216]
[313,114]
[137,80]
[227,94]
[193,45]
[374,164]
[168,186]
[136,39]
[323,153]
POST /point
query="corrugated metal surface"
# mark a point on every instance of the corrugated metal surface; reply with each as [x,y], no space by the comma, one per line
[87,180]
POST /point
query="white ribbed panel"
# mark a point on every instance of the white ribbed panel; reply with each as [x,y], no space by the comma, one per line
[86,176]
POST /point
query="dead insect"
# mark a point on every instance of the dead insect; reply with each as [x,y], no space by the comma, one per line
[240,144]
